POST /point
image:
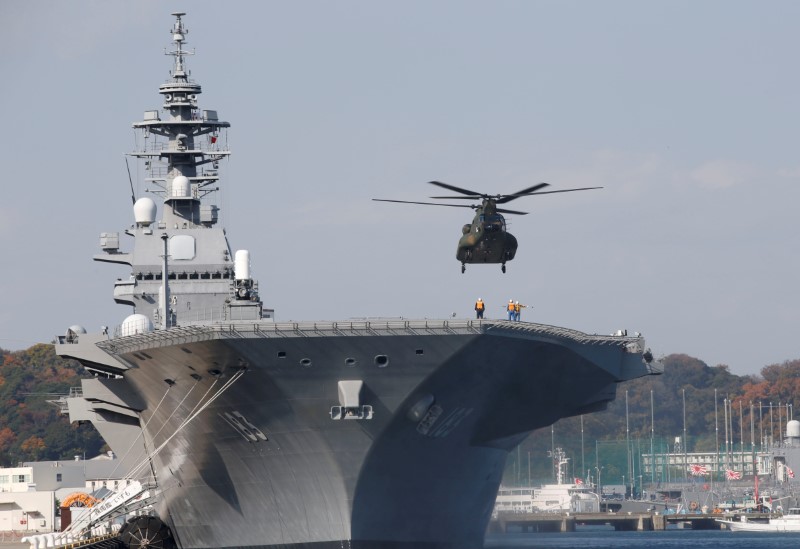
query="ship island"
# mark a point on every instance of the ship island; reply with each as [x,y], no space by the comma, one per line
[249,432]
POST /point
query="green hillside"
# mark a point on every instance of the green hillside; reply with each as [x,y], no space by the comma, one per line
[601,440]
[30,427]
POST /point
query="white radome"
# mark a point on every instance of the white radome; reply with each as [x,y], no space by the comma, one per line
[136,324]
[144,211]
[180,187]
[241,265]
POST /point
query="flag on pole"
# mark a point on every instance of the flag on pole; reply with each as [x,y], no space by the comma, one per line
[789,472]
[730,474]
[578,481]
[698,470]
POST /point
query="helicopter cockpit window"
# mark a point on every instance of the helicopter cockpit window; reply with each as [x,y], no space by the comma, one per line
[494,224]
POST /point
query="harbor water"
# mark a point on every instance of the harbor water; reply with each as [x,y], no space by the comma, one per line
[669,539]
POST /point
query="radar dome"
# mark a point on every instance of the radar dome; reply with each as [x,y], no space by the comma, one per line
[793,429]
[180,187]
[136,324]
[73,332]
[144,211]
[78,329]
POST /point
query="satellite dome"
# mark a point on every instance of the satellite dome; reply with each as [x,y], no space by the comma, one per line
[136,324]
[144,211]
[793,429]
[181,187]
[72,333]
[78,329]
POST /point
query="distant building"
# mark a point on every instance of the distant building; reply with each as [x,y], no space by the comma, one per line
[30,493]
[675,466]
[778,460]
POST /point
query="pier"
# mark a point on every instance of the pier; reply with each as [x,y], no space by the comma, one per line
[622,522]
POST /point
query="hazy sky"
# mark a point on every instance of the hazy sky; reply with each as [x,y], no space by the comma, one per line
[688,113]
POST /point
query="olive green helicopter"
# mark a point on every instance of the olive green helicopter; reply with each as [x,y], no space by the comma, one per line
[486,239]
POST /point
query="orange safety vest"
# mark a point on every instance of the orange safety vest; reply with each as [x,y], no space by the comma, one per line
[479,306]
[511,307]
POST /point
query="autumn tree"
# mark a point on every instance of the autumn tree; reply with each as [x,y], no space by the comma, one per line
[33,446]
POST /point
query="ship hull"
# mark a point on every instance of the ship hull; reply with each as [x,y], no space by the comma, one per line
[272,462]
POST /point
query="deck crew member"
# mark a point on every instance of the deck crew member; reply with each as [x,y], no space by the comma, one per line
[517,310]
[511,309]
[479,308]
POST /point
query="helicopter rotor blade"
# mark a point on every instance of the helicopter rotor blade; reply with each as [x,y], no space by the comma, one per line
[425,203]
[515,212]
[562,191]
[523,192]
[455,197]
[456,189]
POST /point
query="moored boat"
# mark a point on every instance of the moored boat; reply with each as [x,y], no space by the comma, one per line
[790,522]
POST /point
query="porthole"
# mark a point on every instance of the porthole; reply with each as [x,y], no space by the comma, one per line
[381,361]
[305,362]
[350,361]
[281,354]
[420,352]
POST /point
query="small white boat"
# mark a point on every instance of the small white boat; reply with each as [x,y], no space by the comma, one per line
[789,522]
[549,498]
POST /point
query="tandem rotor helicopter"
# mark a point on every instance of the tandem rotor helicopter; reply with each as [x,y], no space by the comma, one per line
[486,240]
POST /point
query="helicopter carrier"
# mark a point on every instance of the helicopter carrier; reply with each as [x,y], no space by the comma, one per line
[258,433]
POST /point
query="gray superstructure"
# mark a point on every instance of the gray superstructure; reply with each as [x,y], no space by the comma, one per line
[380,433]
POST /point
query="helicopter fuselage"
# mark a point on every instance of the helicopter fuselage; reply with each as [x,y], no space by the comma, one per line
[486,240]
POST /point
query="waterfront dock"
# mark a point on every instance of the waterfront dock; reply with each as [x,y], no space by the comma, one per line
[645,521]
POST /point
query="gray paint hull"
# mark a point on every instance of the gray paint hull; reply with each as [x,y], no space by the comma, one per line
[393,480]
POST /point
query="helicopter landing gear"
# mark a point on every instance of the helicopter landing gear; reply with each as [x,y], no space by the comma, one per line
[503,268]
[463,268]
